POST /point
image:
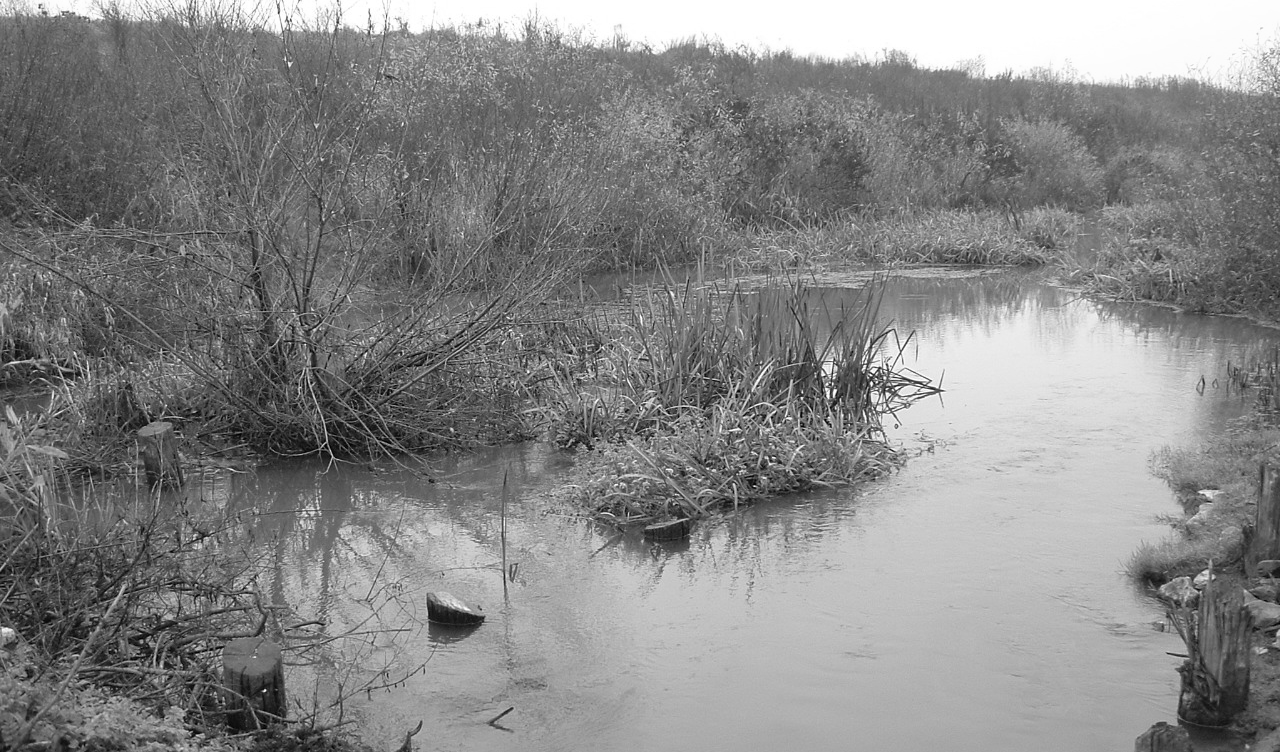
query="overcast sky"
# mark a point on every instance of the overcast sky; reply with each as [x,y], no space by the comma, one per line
[1100,39]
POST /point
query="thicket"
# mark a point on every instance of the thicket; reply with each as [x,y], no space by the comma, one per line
[223,191]
[1202,231]
[474,142]
[228,188]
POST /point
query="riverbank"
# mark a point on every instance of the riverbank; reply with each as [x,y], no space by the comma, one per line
[117,599]
[1215,484]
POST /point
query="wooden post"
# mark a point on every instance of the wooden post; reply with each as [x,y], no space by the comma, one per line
[1215,676]
[1163,737]
[159,447]
[1264,541]
[253,678]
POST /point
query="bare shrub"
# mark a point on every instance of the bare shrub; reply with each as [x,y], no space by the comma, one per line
[1054,167]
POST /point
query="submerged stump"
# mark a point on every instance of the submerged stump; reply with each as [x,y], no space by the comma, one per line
[253,679]
[669,530]
[1215,676]
[1163,737]
[158,445]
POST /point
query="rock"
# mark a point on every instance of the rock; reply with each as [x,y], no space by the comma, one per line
[1163,738]
[1201,517]
[443,608]
[1203,578]
[1268,567]
[1180,592]
[1268,743]
[8,637]
[1266,591]
[1262,614]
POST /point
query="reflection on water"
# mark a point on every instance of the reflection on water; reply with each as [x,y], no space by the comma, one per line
[973,601]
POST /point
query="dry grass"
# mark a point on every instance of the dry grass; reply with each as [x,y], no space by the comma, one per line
[1229,464]
[1036,237]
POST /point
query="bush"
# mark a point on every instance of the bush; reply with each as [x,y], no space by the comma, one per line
[656,197]
[1053,166]
[1143,175]
[72,143]
[1246,171]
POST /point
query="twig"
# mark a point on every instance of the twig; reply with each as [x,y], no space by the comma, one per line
[25,731]
[607,543]
[494,721]
[503,535]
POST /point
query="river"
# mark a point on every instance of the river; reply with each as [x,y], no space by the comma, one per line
[974,600]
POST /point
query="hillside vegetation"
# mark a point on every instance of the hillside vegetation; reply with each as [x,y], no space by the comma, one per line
[272,208]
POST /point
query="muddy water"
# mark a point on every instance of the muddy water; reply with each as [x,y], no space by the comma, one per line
[973,601]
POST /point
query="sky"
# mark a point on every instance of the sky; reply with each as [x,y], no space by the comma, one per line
[1100,40]
[1094,40]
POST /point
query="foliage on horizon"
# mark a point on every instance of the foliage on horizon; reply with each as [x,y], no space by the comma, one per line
[483,139]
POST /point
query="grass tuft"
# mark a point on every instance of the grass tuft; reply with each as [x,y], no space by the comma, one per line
[713,399]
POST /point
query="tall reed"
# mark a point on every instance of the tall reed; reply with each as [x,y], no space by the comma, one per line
[745,394]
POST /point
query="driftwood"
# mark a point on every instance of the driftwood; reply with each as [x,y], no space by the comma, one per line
[1215,676]
[159,448]
[253,678]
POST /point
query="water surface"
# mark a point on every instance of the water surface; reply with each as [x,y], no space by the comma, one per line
[972,601]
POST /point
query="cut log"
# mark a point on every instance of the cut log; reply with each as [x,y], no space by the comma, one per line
[1264,539]
[1215,676]
[443,608]
[253,679]
[1163,737]
[159,448]
[669,530]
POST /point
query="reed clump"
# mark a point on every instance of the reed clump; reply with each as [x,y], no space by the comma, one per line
[718,398]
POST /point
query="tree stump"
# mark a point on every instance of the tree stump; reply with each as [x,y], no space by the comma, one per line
[1264,539]
[159,447]
[1215,676]
[669,530]
[1163,737]
[253,680]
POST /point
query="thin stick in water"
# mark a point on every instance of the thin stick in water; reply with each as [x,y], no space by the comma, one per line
[504,540]
[499,716]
